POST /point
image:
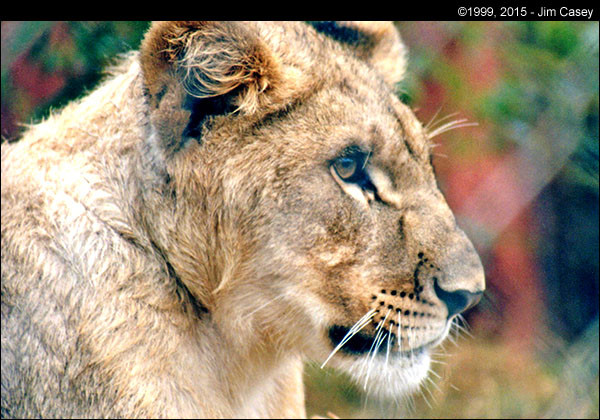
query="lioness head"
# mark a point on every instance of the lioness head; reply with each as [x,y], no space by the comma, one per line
[297,200]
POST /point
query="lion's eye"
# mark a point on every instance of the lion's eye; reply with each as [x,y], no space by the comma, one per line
[349,170]
[351,166]
[346,167]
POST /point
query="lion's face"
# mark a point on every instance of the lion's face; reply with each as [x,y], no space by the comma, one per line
[327,234]
[360,237]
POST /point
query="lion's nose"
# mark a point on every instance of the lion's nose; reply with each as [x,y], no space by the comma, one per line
[457,301]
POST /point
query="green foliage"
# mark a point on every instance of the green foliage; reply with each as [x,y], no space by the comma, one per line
[68,54]
[551,81]
[88,48]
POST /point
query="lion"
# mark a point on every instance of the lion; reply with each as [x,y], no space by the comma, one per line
[235,198]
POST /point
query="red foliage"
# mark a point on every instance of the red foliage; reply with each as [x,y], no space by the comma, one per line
[29,77]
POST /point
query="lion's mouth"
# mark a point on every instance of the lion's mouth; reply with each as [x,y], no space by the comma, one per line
[361,343]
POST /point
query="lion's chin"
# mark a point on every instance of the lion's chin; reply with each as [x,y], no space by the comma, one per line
[388,376]
[377,364]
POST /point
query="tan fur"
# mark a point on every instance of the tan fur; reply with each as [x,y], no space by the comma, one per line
[175,244]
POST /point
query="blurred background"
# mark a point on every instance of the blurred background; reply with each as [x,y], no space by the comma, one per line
[514,106]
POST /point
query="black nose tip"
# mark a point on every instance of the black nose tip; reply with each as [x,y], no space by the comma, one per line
[457,301]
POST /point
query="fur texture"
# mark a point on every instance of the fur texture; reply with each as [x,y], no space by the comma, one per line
[178,242]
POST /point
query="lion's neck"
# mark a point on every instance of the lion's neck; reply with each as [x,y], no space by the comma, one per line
[239,373]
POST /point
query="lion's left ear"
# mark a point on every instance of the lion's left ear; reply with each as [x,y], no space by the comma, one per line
[194,71]
[377,43]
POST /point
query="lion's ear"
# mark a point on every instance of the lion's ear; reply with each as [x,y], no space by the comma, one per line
[377,43]
[195,70]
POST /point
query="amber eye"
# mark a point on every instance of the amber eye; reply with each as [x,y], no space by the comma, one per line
[346,167]
[351,167]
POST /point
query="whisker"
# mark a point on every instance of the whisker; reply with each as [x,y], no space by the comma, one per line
[425,396]
[450,126]
[397,401]
[433,119]
[463,325]
[410,402]
[442,347]
[456,330]
[399,332]
[430,382]
[378,341]
[452,339]
[387,353]
[359,325]
[438,122]
[381,323]
[367,359]
[410,332]
[457,334]
[434,373]
[433,383]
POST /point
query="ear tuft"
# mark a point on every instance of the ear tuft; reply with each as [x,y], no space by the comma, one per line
[213,58]
[223,58]
[223,66]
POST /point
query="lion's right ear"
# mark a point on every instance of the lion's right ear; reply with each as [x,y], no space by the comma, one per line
[196,70]
[377,42]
